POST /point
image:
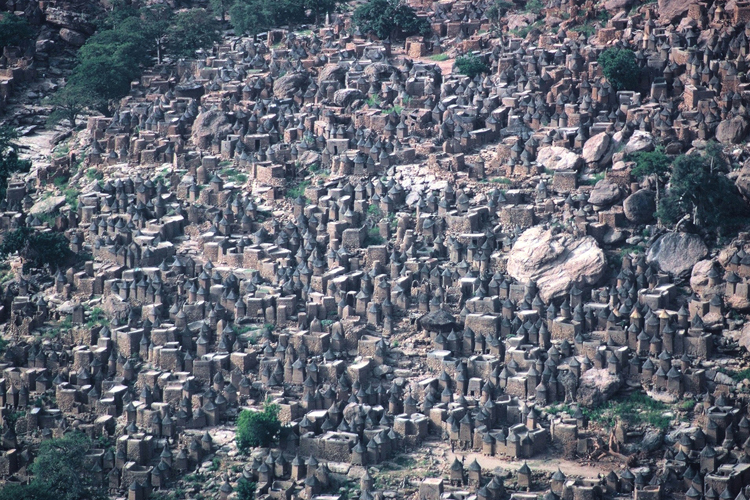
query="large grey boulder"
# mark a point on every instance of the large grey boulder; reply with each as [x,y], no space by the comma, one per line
[743,180]
[289,84]
[604,194]
[732,130]
[213,123]
[597,387]
[47,205]
[73,37]
[615,5]
[438,321]
[555,261]
[598,149]
[639,141]
[671,10]
[558,158]
[344,97]
[640,206]
[676,253]
[332,71]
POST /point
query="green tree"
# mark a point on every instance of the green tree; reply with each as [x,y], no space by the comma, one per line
[654,164]
[60,473]
[32,491]
[497,10]
[9,160]
[319,8]
[254,16]
[620,68]
[14,30]
[700,189]
[258,428]
[70,101]
[250,17]
[192,30]
[390,18]
[245,489]
[471,66]
[221,7]
[62,469]
[649,163]
[37,248]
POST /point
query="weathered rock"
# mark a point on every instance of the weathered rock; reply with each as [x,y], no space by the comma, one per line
[68,19]
[723,378]
[639,141]
[732,131]
[677,253]
[640,206]
[48,205]
[516,21]
[558,158]
[605,193]
[345,97]
[213,123]
[438,321]
[289,84]
[597,387]
[743,181]
[615,5]
[554,261]
[744,340]
[738,302]
[699,276]
[613,236]
[652,440]
[332,72]
[72,37]
[598,149]
[378,70]
[670,10]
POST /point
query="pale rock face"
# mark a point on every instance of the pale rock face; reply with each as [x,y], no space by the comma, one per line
[732,131]
[598,149]
[639,141]
[605,193]
[640,206]
[212,123]
[344,97]
[597,387]
[555,261]
[558,158]
[677,253]
[48,205]
[670,10]
[289,84]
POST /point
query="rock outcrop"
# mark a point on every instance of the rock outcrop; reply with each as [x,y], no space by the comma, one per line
[676,253]
[555,261]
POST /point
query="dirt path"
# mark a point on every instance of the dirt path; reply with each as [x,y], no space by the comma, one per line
[445,66]
[37,146]
[540,463]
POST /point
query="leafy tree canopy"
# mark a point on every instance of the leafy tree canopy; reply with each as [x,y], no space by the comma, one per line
[9,160]
[700,188]
[192,30]
[251,17]
[14,30]
[620,68]
[60,473]
[650,163]
[471,66]
[38,248]
[258,428]
[390,18]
